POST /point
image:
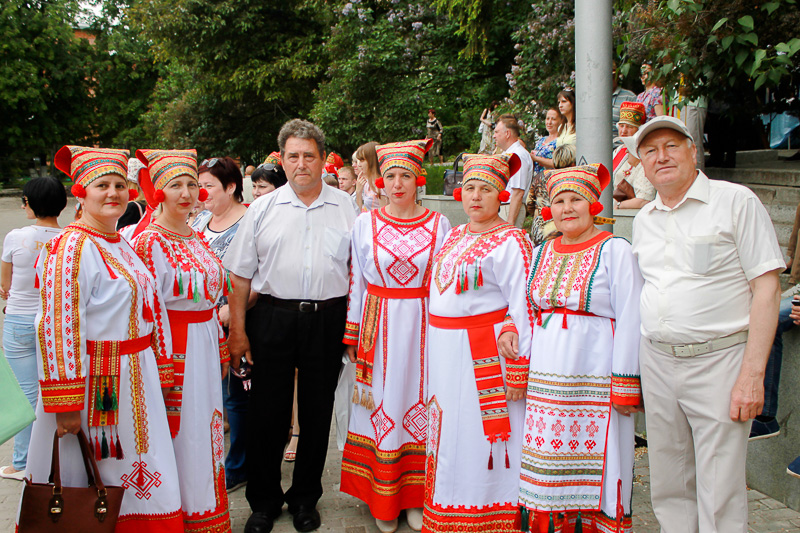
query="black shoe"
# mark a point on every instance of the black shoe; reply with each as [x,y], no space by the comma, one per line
[764,429]
[259,522]
[305,518]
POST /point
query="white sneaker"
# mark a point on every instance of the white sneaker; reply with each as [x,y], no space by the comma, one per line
[414,517]
[387,526]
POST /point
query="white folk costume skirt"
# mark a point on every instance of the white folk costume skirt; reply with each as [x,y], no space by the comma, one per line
[384,457]
[462,492]
[578,452]
[152,501]
[195,415]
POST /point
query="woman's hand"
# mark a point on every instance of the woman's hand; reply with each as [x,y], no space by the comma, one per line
[224,315]
[513,394]
[351,350]
[69,422]
[508,345]
[225,367]
[361,182]
[626,410]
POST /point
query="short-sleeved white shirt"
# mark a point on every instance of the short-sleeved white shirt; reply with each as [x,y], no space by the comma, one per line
[21,247]
[698,258]
[293,251]
[522,179]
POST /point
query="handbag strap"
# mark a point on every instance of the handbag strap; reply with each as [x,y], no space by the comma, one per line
[89,463]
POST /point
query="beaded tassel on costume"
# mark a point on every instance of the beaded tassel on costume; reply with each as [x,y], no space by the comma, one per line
[579,524]
[551,527]
[524,517]
[491,459]
[119,455]
[104,451]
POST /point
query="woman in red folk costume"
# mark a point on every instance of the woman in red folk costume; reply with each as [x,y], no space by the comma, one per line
[191,280]
[479,342]
[102,365]
[387,323]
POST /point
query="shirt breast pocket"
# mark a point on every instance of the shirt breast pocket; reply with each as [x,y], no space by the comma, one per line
[702,251]
[337,244]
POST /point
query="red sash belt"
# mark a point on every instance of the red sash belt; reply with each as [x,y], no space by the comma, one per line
[119,347]
[486,365]
[179,326]
[562,311]
[104,370]
[400,293]
[373,311]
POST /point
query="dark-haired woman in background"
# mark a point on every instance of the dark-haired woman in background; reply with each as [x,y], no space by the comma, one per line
[266,178]
[43,199]
[566,104]
[221,177]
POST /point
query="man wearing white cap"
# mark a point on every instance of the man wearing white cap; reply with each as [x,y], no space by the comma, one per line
[710,260]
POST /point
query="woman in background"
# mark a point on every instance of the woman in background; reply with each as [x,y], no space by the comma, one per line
[43,199]
[566,105]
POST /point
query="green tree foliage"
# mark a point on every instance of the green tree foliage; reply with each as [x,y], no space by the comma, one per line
[45,81]
[724,49]
[391,61]
[125,75]
[235,70]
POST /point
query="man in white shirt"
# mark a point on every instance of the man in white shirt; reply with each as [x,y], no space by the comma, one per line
[710,260]
[506,136]
[292,248]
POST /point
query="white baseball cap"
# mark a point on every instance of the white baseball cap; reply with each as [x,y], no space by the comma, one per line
[658,123]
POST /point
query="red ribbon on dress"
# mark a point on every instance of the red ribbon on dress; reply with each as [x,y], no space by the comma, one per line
[486,364]
[561,311]
[369,330]
[179,326]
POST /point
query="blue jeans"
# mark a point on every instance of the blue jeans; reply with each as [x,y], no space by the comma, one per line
[772,375]
[19,345]
[236,400]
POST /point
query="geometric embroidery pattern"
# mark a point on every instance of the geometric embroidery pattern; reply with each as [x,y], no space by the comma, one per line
[415,422]
[382,423]
[141,480]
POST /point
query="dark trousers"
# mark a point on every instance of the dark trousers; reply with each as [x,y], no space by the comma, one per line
[772,373]
[280,341]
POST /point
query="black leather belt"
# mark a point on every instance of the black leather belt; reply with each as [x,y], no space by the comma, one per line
[301,306]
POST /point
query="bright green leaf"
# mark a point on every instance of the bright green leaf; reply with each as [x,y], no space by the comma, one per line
[760,80]
[769,7]
[794,46]
[741,56]
[719,24]
[783,48]
[746,22]
[759,57]
[751,38]
[712,39]
[726,42]
[674,5]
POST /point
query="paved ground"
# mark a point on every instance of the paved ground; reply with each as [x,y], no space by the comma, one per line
[344,514]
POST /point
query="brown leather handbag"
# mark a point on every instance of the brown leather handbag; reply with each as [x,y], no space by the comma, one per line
[53,508]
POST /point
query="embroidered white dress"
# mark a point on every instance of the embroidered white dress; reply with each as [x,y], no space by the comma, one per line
[384,455]
[191,279]
[476,277]
[578,450]
[95,288]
